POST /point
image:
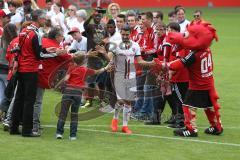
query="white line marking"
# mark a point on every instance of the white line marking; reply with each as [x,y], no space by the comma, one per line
[146,126]
[154,136]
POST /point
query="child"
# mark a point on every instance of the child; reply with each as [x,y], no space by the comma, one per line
[75,82]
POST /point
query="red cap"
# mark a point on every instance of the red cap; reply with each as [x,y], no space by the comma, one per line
[5,12]
[74,29]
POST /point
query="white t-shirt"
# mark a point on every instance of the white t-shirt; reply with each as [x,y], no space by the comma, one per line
[115,37]
[16,18]
[72,22]
[79,46]
[129,54]
[183,25]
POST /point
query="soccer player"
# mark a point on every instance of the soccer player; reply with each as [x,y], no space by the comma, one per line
[125,75]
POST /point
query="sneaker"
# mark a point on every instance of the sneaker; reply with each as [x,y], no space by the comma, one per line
[59,136]
[87,104]
[126,130]
[185,133]
[6,126]
[114,125]
[33,134]
[72,138]
[213,131]
[36,133]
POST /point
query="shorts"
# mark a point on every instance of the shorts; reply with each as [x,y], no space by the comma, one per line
[197,99]
[124,88]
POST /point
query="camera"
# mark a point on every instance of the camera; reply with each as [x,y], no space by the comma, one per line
[101,10]
[16,49]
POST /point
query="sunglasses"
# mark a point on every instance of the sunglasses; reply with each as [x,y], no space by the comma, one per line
[196,16]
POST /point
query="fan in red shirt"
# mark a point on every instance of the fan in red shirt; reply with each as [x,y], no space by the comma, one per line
[47,66]
[201,92]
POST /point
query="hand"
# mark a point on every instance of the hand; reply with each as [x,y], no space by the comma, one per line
[101,49]
[104,20]
[105,40]
[61,51]
[110,67]
[51,49]
[92,53]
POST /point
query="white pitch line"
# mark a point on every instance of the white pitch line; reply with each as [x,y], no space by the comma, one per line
[155,136]
[143,126]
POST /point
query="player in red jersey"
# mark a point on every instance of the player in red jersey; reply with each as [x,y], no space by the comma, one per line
[201,92]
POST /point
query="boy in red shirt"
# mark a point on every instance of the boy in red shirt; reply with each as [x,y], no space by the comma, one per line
[75,82]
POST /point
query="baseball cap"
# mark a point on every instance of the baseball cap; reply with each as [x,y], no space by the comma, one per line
[74,29]
[5,12]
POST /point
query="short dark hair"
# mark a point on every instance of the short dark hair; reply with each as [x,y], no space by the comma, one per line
[126,27]
[36,14]
[122,16]
[171,13]
[175,26]
[198,11]
[54,32]
[180,8]
[149,15]
[48,1]
[79,58]
[133,15]
[159,14]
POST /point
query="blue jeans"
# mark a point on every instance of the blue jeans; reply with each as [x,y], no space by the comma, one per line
[148,100]
[72,100]
[3,83]
[140,81]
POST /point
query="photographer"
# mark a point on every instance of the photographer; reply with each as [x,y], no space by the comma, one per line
[95,34]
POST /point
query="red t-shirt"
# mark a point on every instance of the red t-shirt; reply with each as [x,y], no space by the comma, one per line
[201,71]
[78,75]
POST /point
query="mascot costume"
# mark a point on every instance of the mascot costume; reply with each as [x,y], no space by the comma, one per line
[201,92]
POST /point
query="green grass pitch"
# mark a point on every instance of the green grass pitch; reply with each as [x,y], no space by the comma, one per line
[148,143]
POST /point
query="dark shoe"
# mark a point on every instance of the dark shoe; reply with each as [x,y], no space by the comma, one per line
[185,133]
[151,123]
[213,131]
[33,134]
[14,132]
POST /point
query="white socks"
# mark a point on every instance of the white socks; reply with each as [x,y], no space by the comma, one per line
[117,111]
[126,114]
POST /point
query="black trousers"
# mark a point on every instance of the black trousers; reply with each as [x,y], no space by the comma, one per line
[24,102]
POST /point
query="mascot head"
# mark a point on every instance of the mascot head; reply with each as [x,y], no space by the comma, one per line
[197,37]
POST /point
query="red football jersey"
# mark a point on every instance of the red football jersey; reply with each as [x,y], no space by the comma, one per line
[78,76]
[201,71]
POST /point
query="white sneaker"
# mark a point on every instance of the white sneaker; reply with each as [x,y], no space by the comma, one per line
[59,136]
[72,138]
